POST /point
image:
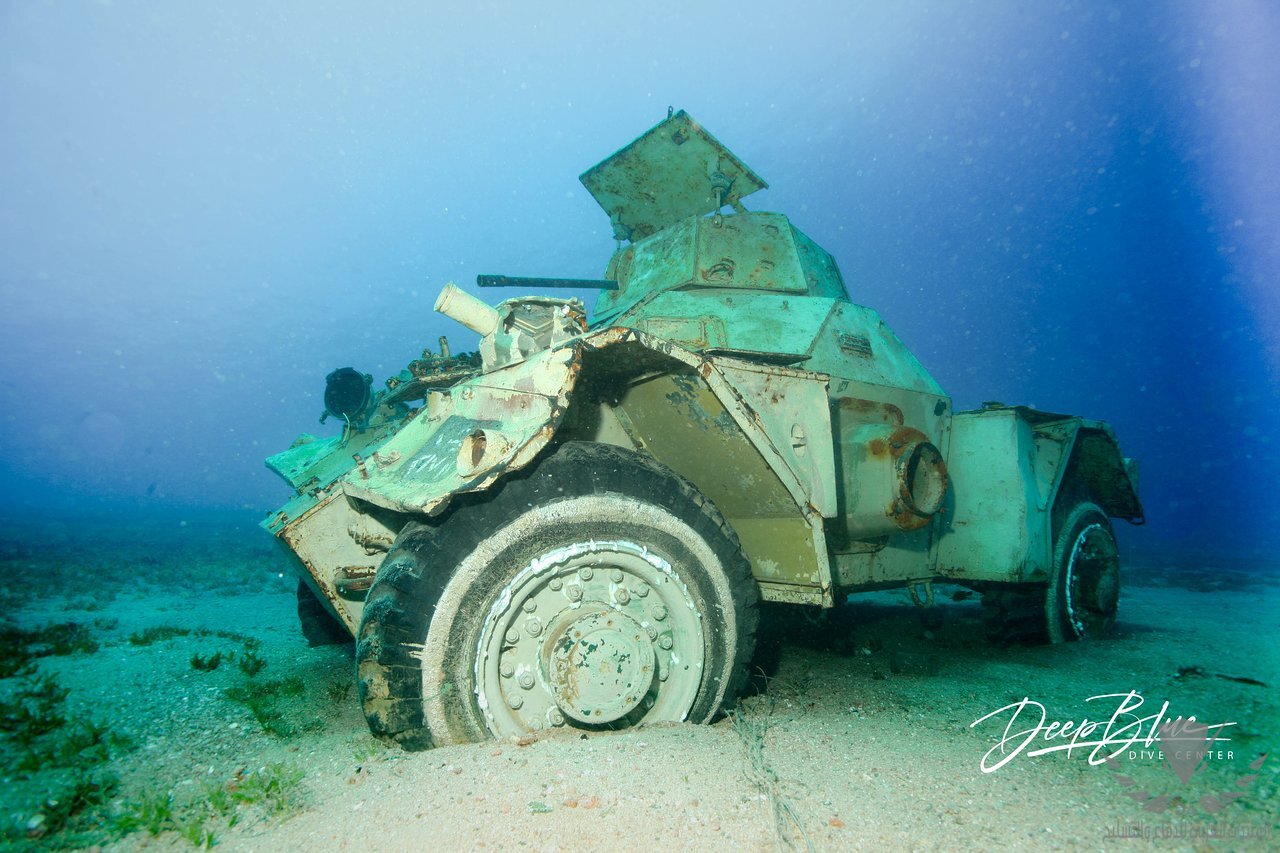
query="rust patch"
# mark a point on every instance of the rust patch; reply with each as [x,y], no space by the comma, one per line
[353,581]
[383,460]
[479,441]
[905,437]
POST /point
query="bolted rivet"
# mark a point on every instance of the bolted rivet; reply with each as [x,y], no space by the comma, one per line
[663,672]
[573,592]
[642,590]
[659,613]
[621,595]
[513,636]
[515,702]
[653,632]
[617,576]
[665,641]
[533,627]
[554,717]
[585,573]
[555,584]
[525,680]
[529,605]
[506,670]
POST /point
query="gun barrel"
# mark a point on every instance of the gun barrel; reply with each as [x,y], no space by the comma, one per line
[456,304]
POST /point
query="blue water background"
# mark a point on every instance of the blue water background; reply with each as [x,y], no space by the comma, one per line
[204,208]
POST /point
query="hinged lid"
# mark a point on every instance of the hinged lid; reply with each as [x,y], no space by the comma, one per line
[670,173]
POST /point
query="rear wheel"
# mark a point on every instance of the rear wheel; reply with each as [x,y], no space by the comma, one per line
[600,591]
[1082,595]
[1084,591]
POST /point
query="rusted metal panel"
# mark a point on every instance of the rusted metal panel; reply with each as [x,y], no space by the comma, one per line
[673,171]
[471,435]
[741,255]
[332,541]
[856,344]
[889,561]
[679,420]
[993,529]
[748,252]
[312,461]
[790,408]
[772,326]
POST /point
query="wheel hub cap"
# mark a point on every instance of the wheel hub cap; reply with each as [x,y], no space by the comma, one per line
[595,634]
[600,667]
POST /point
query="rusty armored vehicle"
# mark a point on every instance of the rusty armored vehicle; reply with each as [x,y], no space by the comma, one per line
[576,525]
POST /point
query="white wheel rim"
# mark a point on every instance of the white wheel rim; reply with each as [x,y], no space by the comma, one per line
[1092,550]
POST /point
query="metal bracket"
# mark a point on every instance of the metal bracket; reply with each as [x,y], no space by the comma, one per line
[915,596]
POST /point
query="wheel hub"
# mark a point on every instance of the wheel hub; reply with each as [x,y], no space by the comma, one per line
[600,666]
[592,634]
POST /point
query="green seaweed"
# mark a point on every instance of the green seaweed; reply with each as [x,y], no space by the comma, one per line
[19,647]
[206,664]
[251,663]
[35,710]
[264,698]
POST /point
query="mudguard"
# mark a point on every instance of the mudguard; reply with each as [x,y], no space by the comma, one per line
[470,435]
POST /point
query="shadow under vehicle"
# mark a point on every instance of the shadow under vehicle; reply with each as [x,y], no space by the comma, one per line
[576,525]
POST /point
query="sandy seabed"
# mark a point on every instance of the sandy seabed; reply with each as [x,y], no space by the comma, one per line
[863,735]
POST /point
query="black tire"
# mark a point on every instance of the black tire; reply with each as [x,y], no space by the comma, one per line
[1081,598]
[499,620]
[319,627]
[1084,588]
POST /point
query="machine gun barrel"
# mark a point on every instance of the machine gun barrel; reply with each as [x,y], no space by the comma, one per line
[518,281]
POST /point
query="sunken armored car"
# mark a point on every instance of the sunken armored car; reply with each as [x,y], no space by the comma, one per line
[576,525]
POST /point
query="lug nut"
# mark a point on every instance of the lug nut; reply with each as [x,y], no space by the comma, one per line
[512,636]
[659,613]
[555,718]
[573,592]
[617,576]
[665,641]
[529,605]
[525,680]
[663,672]
[621,595]
[642,590]
[585,573]
[533,627]
[506,670]
[515,702]
[555,584]
[653,632]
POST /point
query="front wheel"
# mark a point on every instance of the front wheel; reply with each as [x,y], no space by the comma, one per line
[598,592]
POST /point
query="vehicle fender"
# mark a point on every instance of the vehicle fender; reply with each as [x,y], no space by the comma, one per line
[1094,466]
[469,435]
